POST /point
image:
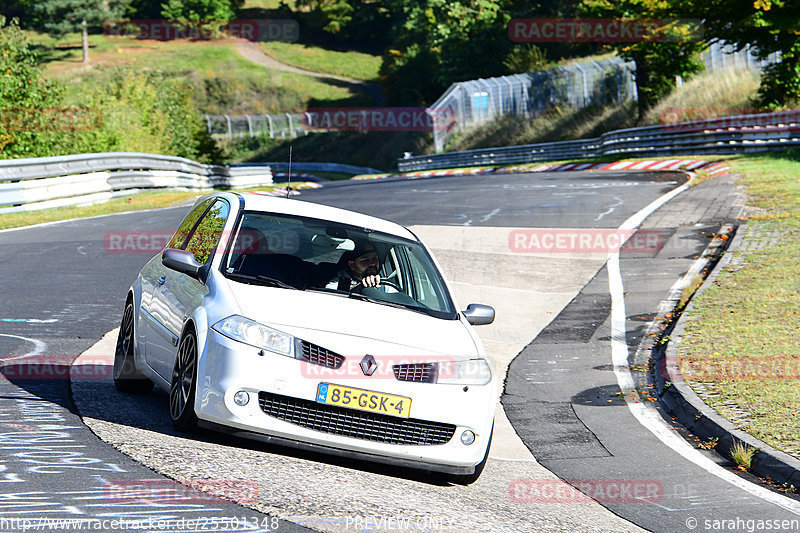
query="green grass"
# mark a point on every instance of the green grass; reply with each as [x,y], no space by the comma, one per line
[742,335]
[225,81]
[708,95]
[559,124]
[354,65]
[134,202]
[742,455]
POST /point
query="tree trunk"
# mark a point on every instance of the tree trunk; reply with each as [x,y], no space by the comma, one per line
[85,41]
[642,81]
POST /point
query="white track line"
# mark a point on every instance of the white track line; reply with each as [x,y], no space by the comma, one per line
[647,416]
[38,347]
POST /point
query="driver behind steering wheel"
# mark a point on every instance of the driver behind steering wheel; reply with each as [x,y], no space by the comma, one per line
[361,268]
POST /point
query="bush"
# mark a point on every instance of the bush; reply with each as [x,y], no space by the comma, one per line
[24,97]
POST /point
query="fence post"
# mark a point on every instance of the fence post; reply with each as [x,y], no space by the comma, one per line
[585,84]
[310,120]
[249,125]
[208,121]
[291,124]
[230,129]
[269,121]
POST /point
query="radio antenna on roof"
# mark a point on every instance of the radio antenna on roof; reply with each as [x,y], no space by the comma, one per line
[289,183]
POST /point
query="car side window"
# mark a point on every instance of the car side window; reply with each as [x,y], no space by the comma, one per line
[208,232]
[188,223]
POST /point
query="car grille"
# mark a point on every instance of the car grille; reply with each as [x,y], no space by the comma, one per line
[321,356]
[354,423]
[418,372]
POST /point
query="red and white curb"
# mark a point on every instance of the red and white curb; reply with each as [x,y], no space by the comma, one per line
[711,168]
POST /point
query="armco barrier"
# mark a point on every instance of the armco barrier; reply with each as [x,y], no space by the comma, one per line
[41,183]
[726,135]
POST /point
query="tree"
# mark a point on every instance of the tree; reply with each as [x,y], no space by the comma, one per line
[199,10]
[66,16]
[771,26]
[439,42]
[671,51]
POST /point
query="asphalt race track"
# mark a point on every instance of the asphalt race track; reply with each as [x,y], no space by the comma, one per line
[63,289]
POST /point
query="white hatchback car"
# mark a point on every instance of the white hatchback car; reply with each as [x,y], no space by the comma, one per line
[253,320]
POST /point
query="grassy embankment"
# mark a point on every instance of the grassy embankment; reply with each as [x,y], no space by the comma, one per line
[740,342]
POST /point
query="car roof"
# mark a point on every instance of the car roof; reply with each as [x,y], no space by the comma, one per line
[273,204]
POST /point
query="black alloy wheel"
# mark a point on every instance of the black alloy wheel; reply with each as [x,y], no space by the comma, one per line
[184,384]
[126,377]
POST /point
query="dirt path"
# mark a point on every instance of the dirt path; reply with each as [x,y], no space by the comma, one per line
[252,52]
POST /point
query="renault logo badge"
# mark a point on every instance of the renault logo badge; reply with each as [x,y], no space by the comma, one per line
[368,365]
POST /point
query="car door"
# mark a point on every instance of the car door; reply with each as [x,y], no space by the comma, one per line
[177,295]
[153,275]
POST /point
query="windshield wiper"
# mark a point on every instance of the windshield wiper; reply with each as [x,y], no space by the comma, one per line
[359,296]
[263,280]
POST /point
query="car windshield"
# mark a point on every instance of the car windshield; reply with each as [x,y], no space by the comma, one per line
[310,254]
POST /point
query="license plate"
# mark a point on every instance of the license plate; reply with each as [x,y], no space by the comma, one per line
[364,400]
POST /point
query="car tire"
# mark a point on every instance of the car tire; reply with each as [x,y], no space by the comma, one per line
[468,479]
[127,377]
[184,385]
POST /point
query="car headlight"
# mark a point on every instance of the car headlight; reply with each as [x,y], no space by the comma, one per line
[470,372]
[244,330]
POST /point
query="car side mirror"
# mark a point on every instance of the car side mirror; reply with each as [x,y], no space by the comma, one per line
[479,314]
[182,261]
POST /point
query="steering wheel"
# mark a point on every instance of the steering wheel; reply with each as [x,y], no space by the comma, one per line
[360,287]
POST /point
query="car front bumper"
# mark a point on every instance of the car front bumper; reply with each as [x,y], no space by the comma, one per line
[226,367]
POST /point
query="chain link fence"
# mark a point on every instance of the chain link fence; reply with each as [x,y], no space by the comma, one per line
[721,56]
[578,85]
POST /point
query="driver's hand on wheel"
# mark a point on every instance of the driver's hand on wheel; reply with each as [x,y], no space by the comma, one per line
[371,281]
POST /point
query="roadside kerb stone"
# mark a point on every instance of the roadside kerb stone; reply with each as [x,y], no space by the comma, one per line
[704,421]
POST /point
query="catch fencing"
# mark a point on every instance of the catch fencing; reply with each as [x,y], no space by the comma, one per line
[275,126]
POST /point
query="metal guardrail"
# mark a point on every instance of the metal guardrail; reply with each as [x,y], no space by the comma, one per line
[726,135]
[45,182]
[319,167]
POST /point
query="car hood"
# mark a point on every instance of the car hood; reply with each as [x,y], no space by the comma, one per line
[350,326]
